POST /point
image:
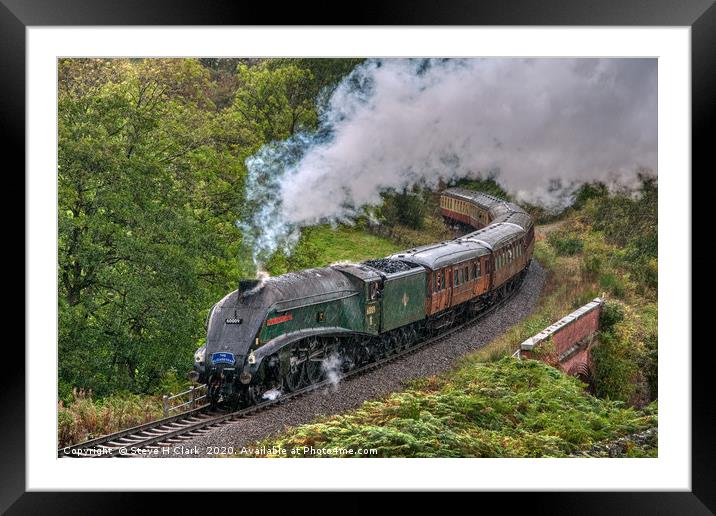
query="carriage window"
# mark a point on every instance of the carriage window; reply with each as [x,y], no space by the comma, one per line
[454,275]
[477,270]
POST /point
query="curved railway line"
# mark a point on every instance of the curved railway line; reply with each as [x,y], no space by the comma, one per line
[141,440]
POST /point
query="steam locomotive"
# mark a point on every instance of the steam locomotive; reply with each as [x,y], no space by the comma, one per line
[289,331]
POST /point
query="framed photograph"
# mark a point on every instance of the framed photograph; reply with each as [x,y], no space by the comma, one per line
[428,247]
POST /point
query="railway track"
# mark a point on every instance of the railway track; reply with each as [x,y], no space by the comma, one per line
[150,438]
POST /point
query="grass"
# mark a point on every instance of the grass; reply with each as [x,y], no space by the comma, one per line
[349,243]
[323,245]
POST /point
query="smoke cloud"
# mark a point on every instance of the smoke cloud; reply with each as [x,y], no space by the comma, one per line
[543,126]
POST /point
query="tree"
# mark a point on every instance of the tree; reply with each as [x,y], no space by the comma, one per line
[145,233]
[274,103]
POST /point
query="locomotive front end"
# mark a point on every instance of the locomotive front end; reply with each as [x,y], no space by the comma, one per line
[232,327]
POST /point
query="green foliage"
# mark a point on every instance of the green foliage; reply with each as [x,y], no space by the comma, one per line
[612,284]
[140,251]
[589,191]
[326,72]
[405,208]
[273,103]
[612,313]
[629,221]
[626,357]
[504,409]
[565,244]
[488,185]
[614,368]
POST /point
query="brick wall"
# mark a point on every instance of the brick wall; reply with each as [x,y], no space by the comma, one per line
[567,343]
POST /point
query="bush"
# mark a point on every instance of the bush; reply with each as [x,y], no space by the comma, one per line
[625,358]
[406,208]
[612,283]
[565,245]
[614,368]
[84,418]
[545,255]
[611,314]
[592,264]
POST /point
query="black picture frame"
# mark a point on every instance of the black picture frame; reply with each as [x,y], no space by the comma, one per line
[17,15]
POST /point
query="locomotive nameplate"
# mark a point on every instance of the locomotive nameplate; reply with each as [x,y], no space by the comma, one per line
[279,319]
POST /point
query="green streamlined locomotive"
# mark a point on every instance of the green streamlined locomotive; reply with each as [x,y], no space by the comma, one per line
[289,331]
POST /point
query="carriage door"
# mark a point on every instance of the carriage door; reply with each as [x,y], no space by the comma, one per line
[372,308]
[448,293]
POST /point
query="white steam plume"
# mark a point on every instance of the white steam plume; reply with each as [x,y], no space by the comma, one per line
[331,367]
[545,125]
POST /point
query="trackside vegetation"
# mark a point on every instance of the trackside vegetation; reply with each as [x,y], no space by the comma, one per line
[500,409]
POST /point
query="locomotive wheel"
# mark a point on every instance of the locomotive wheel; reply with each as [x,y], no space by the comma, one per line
[213,395]
[361,351]
[395,342]
[314,365]
[350,355]
[382,348]
[410,337]
[295,378]
[253,394]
